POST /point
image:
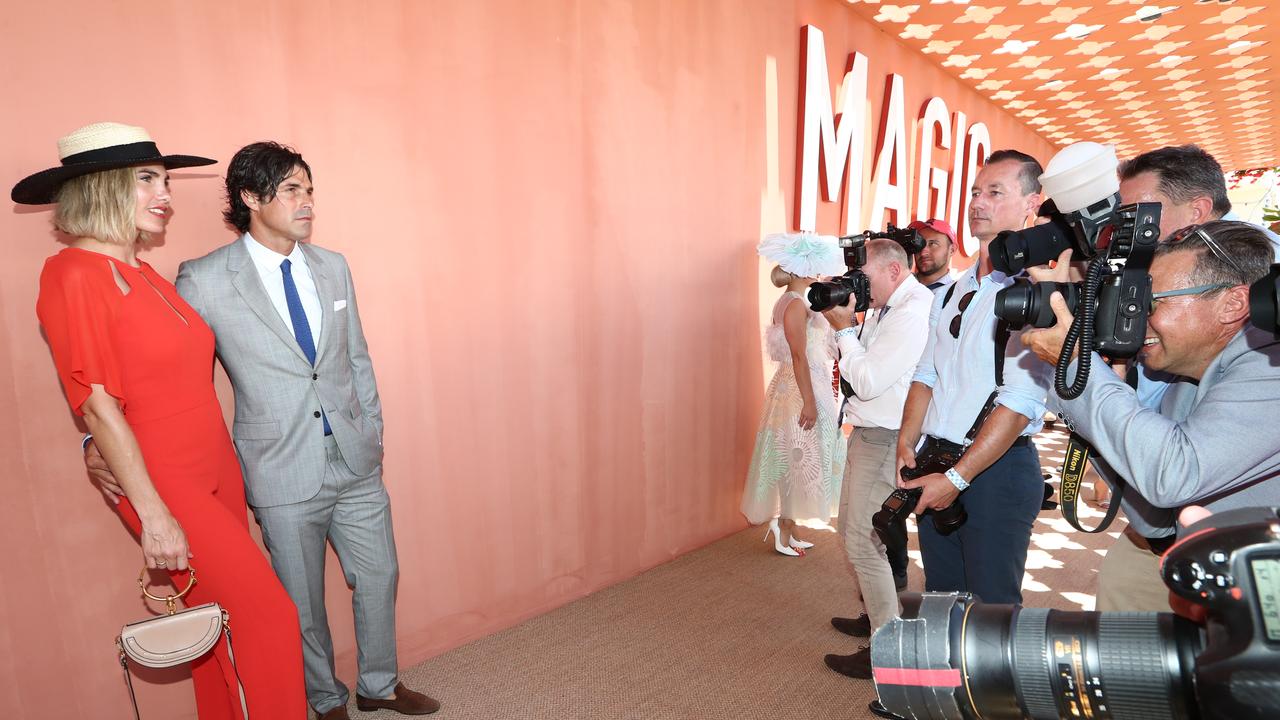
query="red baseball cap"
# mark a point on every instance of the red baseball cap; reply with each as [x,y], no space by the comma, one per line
[937,226]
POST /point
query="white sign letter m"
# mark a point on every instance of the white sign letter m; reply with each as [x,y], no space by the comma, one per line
[838,139]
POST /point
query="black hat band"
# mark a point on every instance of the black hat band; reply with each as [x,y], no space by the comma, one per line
[128,153]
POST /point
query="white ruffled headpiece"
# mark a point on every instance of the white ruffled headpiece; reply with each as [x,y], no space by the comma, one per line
[804,254]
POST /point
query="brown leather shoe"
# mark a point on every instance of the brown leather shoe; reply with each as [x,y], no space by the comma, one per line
[338,713]
[405,702]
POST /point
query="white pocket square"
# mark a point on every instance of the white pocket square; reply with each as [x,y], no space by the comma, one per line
[339,305]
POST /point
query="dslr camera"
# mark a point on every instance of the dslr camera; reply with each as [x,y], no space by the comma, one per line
[1264,301]
[854,284]
[950,657]
[935,457]
[1084,215]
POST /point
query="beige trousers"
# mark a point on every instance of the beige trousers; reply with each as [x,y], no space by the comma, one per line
[1129,578]
[868,480]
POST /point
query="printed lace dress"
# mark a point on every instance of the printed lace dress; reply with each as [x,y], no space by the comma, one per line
[795,474]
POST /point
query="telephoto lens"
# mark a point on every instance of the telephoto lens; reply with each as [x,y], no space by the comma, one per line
[1026,303]
[1014,250]
[951,657]
[826,295]
[853,284]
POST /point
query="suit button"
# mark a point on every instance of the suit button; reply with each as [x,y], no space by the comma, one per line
[316,413]
[315,376]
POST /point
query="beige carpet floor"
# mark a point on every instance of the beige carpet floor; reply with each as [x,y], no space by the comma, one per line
[732,630]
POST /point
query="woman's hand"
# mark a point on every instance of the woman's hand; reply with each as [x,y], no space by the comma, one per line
[808,416]
[164,544]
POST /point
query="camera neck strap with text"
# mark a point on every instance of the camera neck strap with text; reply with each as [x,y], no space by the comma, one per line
[1074,463]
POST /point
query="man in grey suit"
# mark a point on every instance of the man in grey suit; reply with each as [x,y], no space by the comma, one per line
[1210,441]
[308,421]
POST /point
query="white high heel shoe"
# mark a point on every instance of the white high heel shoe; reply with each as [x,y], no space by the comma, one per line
[777,541]
[799,544]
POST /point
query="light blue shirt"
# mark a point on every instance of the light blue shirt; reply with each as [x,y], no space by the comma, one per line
[961,371]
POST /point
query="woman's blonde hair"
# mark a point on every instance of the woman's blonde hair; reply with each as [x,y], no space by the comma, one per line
[100,205]
[780,277]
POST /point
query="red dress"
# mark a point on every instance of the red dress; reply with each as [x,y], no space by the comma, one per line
[154,354]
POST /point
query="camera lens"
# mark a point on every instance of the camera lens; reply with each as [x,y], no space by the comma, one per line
[950,518]
[826,295]
[1026,303]
[950,656]
[1013,250]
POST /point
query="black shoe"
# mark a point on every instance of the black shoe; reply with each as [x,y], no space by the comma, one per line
[900,582]
[856,627]
[879,710]
[857,665]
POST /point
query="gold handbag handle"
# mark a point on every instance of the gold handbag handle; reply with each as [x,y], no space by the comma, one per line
[170,601]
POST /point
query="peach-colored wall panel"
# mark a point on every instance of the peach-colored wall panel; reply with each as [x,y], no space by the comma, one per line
[550,210]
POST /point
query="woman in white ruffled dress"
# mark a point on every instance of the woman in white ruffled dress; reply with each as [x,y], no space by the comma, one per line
[799,454]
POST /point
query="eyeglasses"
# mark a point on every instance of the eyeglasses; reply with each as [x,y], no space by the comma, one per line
[1186,234]
[964,305]
[1197,290]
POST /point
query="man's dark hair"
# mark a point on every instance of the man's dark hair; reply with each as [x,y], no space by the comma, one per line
[1185,172]
[1248,248]
[1029,170]
[258,168]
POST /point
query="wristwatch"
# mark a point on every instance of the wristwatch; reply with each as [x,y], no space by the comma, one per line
[956,479]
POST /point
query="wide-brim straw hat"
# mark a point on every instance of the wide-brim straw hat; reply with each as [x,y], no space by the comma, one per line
[94,148]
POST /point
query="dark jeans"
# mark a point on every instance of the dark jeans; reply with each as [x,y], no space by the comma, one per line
[987,556]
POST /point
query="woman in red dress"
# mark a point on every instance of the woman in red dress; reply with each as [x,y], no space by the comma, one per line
[137,362]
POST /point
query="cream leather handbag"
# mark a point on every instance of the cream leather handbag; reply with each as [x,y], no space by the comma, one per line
[175,637]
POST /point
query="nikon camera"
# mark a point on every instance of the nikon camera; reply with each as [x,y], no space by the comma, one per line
[854,284]
[951,657]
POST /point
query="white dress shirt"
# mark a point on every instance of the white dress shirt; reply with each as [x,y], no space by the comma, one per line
[879,360]
[267,262]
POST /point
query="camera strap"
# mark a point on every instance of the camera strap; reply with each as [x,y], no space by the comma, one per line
[1074,462]
[1001,341]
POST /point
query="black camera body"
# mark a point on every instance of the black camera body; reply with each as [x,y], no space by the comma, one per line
[950,656]
[1229,563]
[1121,240]
[854,284]
[933,458]
[1264,301]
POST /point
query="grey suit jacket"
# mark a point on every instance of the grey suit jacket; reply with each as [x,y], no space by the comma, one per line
[278,433]
[1212,443]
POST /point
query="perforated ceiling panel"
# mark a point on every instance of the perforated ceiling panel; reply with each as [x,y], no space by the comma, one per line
[1128,72]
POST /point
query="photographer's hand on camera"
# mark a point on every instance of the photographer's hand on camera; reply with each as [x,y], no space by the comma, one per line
[841,317]
[1047,343]
[937,492]
[906,458]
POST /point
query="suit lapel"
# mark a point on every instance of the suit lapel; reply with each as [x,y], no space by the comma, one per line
[246,281]
[324,279]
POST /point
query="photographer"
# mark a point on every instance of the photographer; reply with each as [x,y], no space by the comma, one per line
[1187,182]
[876,361]
[957,379]
[1209,441]
[933,262]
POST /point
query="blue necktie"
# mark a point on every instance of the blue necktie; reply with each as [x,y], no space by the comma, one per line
[301,328]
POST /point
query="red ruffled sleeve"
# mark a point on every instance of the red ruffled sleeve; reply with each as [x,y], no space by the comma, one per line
[77,309]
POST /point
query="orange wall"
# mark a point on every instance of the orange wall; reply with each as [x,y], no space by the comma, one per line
[550,210]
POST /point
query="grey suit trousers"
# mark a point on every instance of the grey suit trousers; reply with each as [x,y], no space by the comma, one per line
[354,513]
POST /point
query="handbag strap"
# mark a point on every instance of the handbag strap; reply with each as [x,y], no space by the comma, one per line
[226,633]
